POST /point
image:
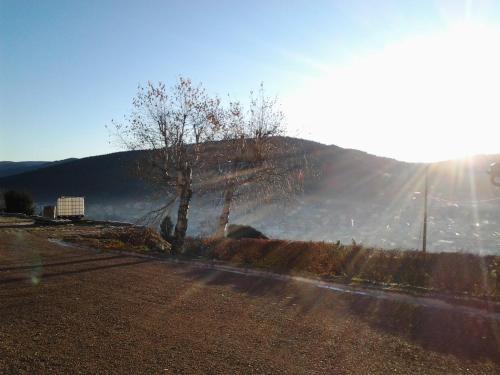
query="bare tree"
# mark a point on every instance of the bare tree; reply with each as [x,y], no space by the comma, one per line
[252,158]
[171,126]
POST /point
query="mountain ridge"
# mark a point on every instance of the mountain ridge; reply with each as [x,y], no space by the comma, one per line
[355,195]
[11,168]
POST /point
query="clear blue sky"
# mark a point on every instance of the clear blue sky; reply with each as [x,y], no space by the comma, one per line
[68,67]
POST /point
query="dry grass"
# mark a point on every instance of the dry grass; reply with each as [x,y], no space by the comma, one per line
[11,220]
[443,272]
[137,239]
[456,273]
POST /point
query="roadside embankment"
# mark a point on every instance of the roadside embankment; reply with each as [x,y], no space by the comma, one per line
[457,273]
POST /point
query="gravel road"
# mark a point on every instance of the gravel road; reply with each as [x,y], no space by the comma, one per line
[68,310]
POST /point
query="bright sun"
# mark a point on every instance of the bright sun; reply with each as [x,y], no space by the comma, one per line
[428,98]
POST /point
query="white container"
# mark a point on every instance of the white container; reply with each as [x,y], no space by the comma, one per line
[70,208]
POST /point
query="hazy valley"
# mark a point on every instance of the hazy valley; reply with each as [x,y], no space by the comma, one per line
[355,195]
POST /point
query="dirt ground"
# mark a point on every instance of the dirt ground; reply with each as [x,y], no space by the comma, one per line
[6,221]
[70,310]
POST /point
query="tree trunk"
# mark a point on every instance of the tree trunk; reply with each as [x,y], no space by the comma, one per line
[226,209]
[184,185]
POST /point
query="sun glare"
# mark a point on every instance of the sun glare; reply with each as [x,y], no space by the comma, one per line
[427,98]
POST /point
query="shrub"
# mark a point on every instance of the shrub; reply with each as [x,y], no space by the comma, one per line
[243,231]
[128,238]
[443,272]
[18,202]
[141,237]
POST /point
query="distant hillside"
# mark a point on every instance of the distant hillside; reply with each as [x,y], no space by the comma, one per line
[342,173]
[355,195]
[113,177]
[98,177]
[10,168]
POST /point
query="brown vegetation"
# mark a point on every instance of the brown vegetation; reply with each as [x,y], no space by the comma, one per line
[457,273]
[127,238]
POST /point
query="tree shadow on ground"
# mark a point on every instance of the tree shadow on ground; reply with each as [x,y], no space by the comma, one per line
[23,278]
[45,265]
[445,331]
[452,332]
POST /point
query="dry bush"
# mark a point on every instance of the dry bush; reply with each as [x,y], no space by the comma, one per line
[126,238]
[139,237]
[445,272]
